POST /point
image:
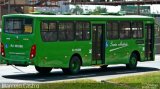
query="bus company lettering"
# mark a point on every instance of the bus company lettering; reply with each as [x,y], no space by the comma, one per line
[16,46]
[76,50]
[118,44]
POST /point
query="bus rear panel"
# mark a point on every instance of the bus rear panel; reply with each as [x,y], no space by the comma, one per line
[18,45]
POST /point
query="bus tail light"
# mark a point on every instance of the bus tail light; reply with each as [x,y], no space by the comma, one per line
[2,50]
[33,51]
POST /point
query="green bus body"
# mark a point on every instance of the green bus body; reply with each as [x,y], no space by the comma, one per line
[58,53]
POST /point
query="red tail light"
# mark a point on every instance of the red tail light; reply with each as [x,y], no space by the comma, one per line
[33,51]
[2,50]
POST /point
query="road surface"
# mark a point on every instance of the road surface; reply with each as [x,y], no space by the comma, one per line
[10,74]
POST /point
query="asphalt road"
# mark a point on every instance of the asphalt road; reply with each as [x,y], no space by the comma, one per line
[10,74]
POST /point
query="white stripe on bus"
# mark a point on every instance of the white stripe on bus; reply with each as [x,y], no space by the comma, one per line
[117,48]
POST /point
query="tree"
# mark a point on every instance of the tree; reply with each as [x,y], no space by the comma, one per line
[98,10]
[77,10]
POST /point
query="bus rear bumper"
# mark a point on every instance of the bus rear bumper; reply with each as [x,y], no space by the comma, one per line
[17,62]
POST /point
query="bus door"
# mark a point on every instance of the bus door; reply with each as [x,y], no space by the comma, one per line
[149,44]
[98,47]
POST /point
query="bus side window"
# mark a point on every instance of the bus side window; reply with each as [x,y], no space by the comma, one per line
[61,32]
[66,31]
[82,31]
[69,31]
[137,31]
[48,31]
[125,29]
[112,30]
[53,31]
[44,26]
[86,31]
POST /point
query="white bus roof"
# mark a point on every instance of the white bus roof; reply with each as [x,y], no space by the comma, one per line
[78,16]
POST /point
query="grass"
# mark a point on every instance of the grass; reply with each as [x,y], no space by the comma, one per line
[145,81]
[80,85]
[77,84]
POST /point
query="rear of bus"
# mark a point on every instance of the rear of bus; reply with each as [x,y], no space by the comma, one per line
[18,40]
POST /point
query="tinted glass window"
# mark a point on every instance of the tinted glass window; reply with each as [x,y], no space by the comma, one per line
[125,30]
[112,30]
[82,31]
[18,26]
[49,31]
[137,31]
[66,31]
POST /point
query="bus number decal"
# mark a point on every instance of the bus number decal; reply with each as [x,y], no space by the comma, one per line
[16,46]
[76,50]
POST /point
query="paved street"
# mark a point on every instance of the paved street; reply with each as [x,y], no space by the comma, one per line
[10,74]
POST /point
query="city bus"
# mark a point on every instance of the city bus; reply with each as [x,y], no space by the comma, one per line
[72,41]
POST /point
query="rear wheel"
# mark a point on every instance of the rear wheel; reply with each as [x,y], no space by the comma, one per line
[43,70]
[132,62]
[74,66]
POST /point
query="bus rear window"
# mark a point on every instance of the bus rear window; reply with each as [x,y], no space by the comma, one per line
[18,26]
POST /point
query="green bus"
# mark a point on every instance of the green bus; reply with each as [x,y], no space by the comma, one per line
[71,41]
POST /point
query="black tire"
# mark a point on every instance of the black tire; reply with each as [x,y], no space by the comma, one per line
[43,70]
[74,66]
[132,62]
[104,67]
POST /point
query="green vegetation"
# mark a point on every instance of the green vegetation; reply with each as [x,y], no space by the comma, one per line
[145,81]
[79,84]
[77,10]
[98,10]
